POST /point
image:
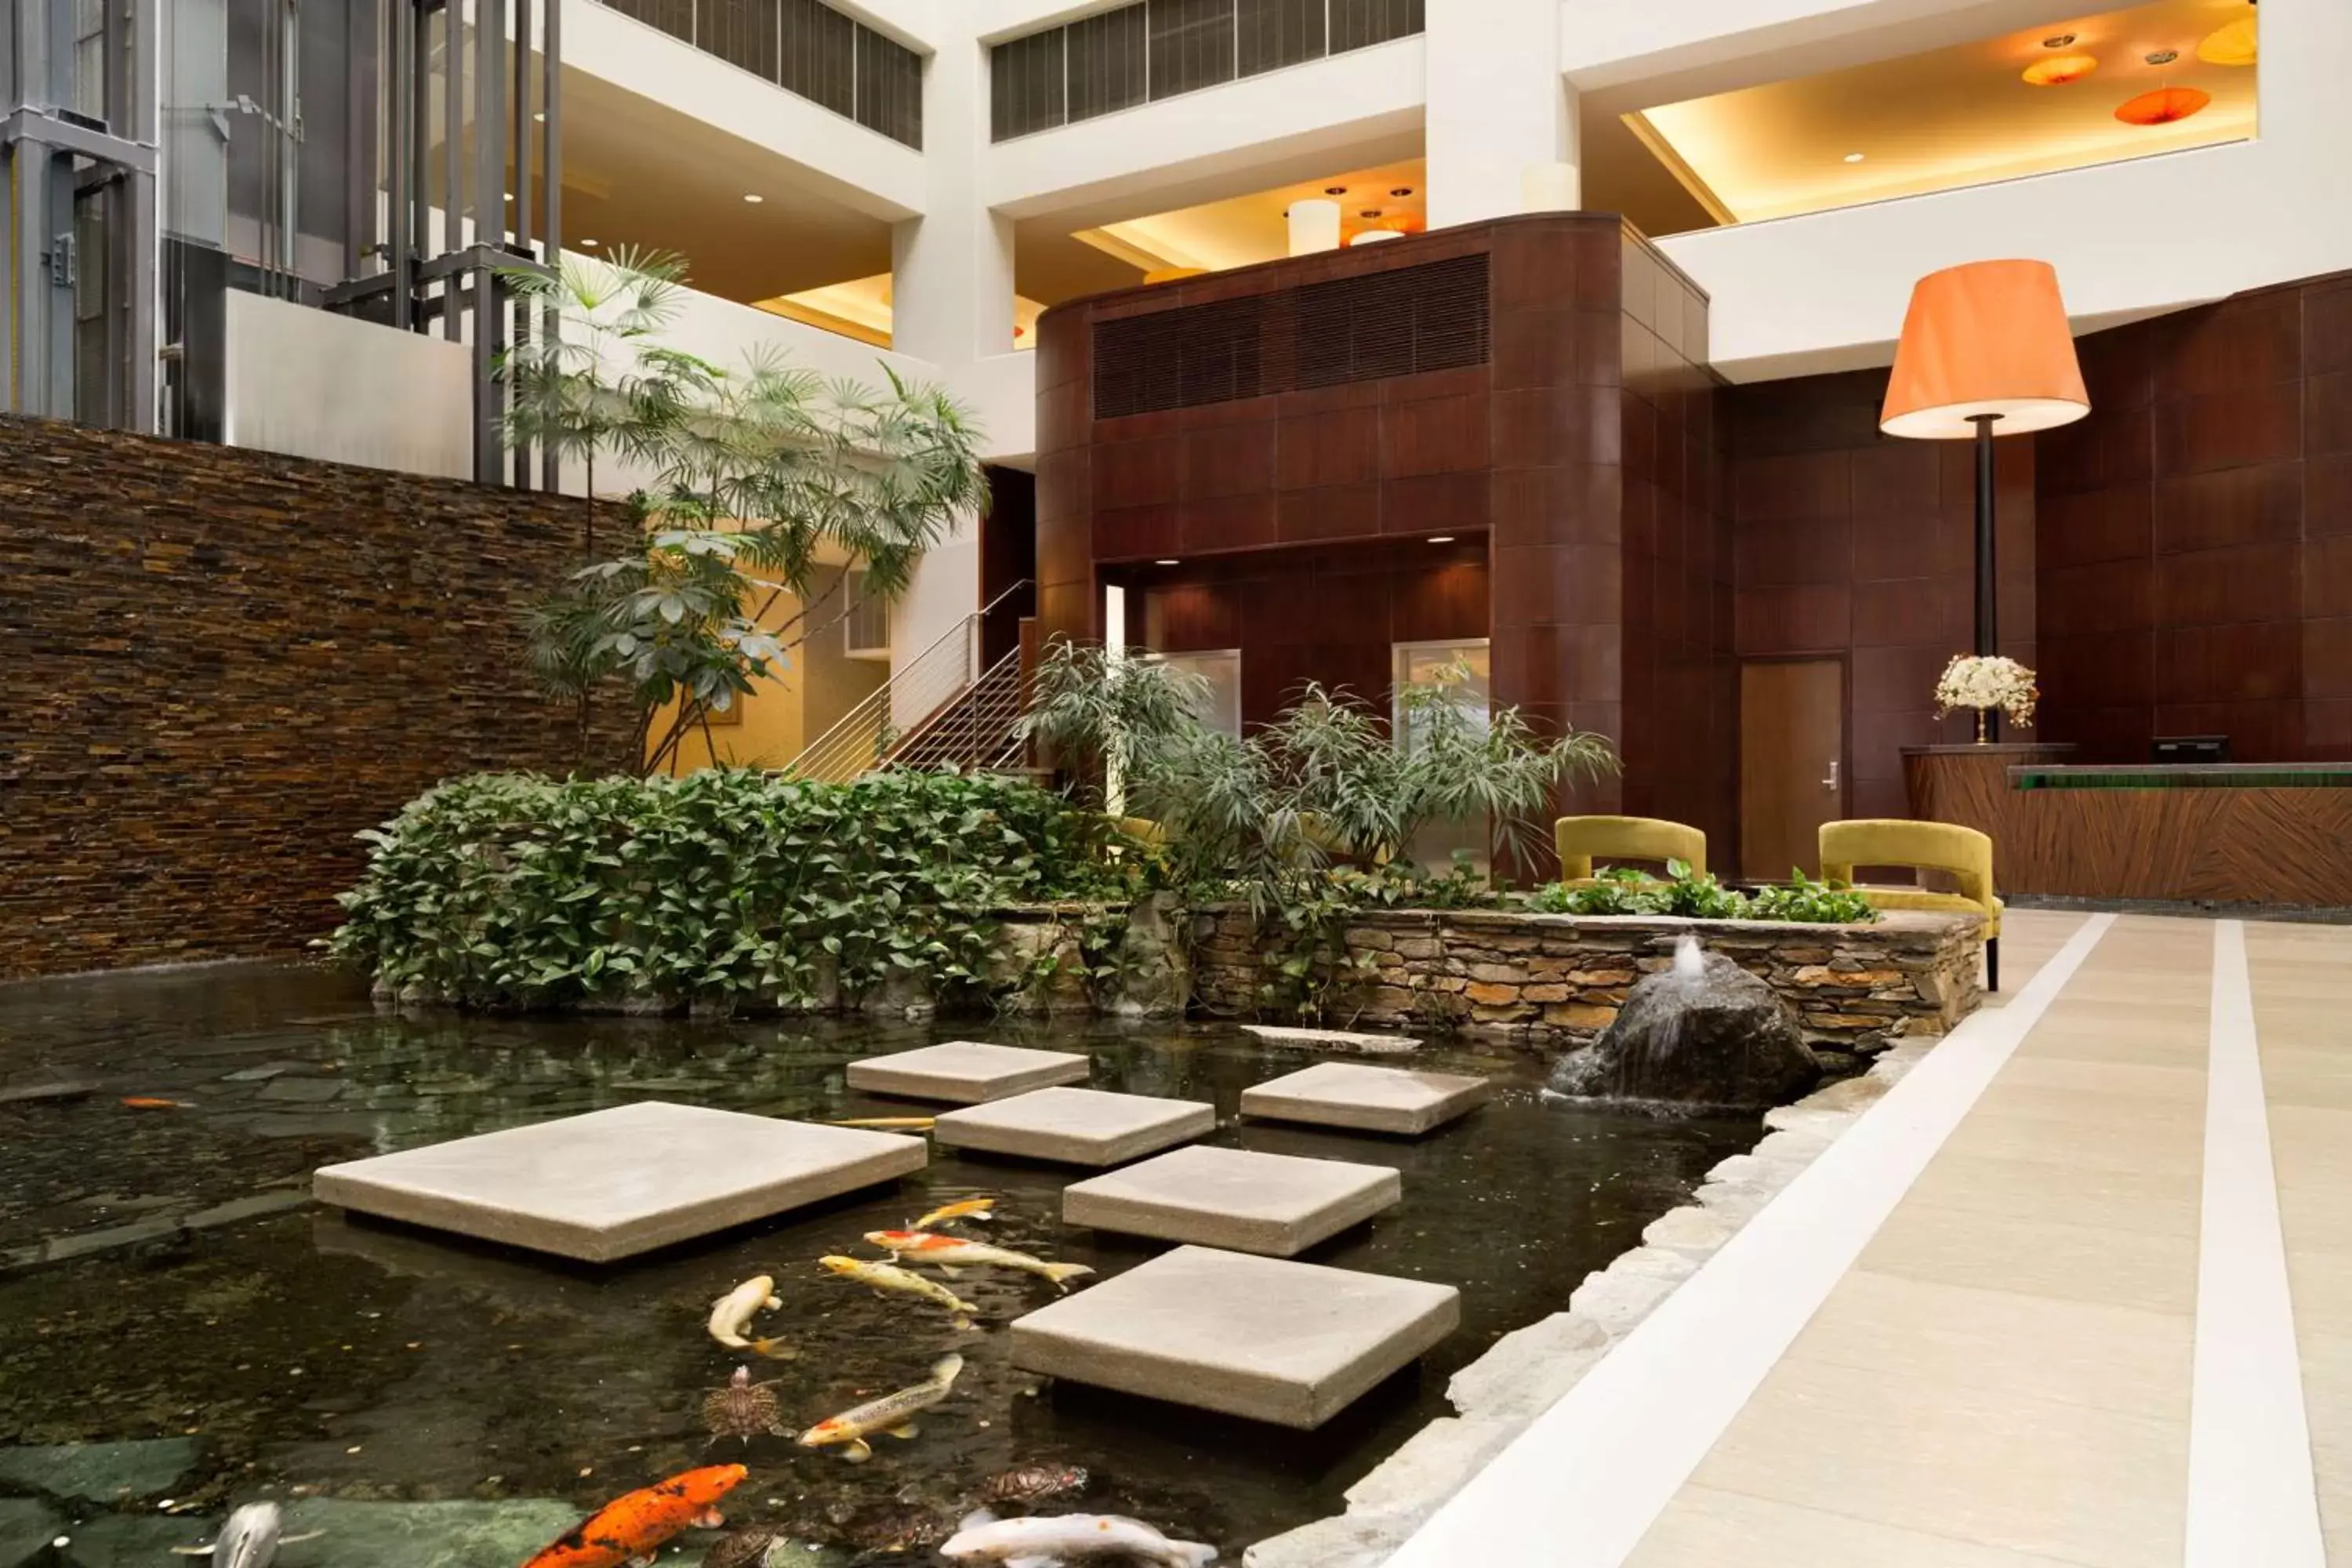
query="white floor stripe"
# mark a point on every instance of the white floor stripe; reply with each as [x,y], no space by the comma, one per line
[1581,1486]
[2252,1498]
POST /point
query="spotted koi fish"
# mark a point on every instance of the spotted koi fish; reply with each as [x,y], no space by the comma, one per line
[955,1252]
[632,1527]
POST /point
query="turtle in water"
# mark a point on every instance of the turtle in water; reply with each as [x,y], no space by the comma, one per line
[741,1548]
[1032,1484]
[744,1409]
[892,1526]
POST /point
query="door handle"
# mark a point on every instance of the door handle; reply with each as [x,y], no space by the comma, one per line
[1830,782]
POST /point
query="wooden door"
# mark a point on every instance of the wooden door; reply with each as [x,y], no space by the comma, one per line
[1792,774]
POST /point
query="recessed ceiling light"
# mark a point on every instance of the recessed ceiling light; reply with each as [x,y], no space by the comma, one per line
[589,243]
[2060,42]
[754,197]
[1401,191]
[540,118]
[2163,57]
[1855,157]
[510,196]
[1370,211]
[1168,561]
[1335,190]
[1440,538]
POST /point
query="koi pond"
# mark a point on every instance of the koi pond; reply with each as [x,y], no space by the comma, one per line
[186,1332]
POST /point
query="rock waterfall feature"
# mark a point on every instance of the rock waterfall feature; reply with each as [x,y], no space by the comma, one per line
[1705,1032]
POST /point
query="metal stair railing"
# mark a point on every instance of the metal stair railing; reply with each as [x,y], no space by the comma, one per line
[974,733]
[918,693]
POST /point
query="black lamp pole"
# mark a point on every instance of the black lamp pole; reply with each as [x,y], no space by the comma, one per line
[1988,584]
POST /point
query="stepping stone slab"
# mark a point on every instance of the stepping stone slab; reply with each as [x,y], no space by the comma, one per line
[1269,1339]
[1276,1204]
[1369,1099]
[967,1073]
[1077,1126]
[1332,1039]
[613,1183]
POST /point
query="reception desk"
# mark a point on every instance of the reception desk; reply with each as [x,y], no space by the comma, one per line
[2277,833]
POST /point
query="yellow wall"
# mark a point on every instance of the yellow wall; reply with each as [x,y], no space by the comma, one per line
[791,707]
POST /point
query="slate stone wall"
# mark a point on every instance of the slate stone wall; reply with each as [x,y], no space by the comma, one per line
[220,665]
[1555,981]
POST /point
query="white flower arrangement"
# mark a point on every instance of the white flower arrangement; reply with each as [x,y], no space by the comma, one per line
[1982,681]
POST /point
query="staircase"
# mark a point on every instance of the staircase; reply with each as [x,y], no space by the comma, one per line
[942,709]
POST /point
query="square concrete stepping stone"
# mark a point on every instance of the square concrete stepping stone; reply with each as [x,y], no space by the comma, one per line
[1277,1205]
[967,1073]
[1353,1040]
[1370,1099]
[1273,1340]
[615,1182]
[1077,1126]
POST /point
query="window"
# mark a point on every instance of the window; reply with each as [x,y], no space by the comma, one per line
[1160,48]
[806,47]
[866,624]
[1221,669]
[1464,667]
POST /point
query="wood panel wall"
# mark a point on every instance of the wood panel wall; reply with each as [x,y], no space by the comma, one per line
[1853,545]
[1319,613]
[2196,556]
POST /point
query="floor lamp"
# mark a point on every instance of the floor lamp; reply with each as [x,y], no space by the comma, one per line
[1986,350]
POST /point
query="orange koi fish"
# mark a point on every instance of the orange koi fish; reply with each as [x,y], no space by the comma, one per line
[154,1103]
[955,1252]
[634,1526]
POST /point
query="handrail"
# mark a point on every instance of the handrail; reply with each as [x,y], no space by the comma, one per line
[862,739]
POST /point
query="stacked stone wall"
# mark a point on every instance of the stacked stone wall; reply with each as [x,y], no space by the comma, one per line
[223,664]
[1557,981]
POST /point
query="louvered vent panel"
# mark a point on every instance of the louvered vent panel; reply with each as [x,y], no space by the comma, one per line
[1404,322]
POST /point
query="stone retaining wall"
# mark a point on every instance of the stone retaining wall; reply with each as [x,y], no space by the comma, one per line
[1555,981]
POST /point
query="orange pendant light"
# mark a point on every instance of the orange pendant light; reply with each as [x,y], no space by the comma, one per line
[2235,45]
[2057,71]
[2163,106]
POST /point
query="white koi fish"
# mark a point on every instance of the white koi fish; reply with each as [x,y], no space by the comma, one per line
[893,1412]
[732,1313]
[1038,1540]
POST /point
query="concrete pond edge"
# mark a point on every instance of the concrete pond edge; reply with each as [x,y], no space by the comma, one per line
[1529,1369]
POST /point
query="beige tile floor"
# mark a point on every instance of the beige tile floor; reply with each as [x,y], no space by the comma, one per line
[2303,1017]
[2003,1378]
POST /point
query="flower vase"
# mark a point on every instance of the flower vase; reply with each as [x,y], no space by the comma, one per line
[1980,727]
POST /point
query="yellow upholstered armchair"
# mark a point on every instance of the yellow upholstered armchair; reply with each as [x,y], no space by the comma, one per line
[1582,839]
[1962,852]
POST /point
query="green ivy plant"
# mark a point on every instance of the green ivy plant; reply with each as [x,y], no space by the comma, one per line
[728,886]
[1699,895]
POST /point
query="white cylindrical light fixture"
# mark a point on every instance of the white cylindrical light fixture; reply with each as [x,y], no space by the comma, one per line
[1550,188]
[1373,236]
[1313,225]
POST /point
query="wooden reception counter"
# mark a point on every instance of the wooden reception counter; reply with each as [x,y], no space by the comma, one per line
[2275,833]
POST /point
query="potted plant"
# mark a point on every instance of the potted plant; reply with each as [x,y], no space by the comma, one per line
[1986,682]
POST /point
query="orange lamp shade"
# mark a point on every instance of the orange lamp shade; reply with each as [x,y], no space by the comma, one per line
[2163,106]
[2238,43]
[1987,337]
[2059,69]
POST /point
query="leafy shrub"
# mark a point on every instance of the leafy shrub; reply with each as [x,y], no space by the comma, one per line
[1700,896]
[1803,898]
[516,890]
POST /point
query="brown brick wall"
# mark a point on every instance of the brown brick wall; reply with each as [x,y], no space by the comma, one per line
[220,665]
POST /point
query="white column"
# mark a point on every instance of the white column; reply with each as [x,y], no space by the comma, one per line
[952,270]
[1502,124]
[952,305]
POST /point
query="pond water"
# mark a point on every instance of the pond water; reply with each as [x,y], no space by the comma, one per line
[166,1284]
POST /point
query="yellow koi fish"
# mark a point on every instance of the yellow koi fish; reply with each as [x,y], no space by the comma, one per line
[893,1412]
[732,1313]
[890,1123]
[971,1208]
[883,1277]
